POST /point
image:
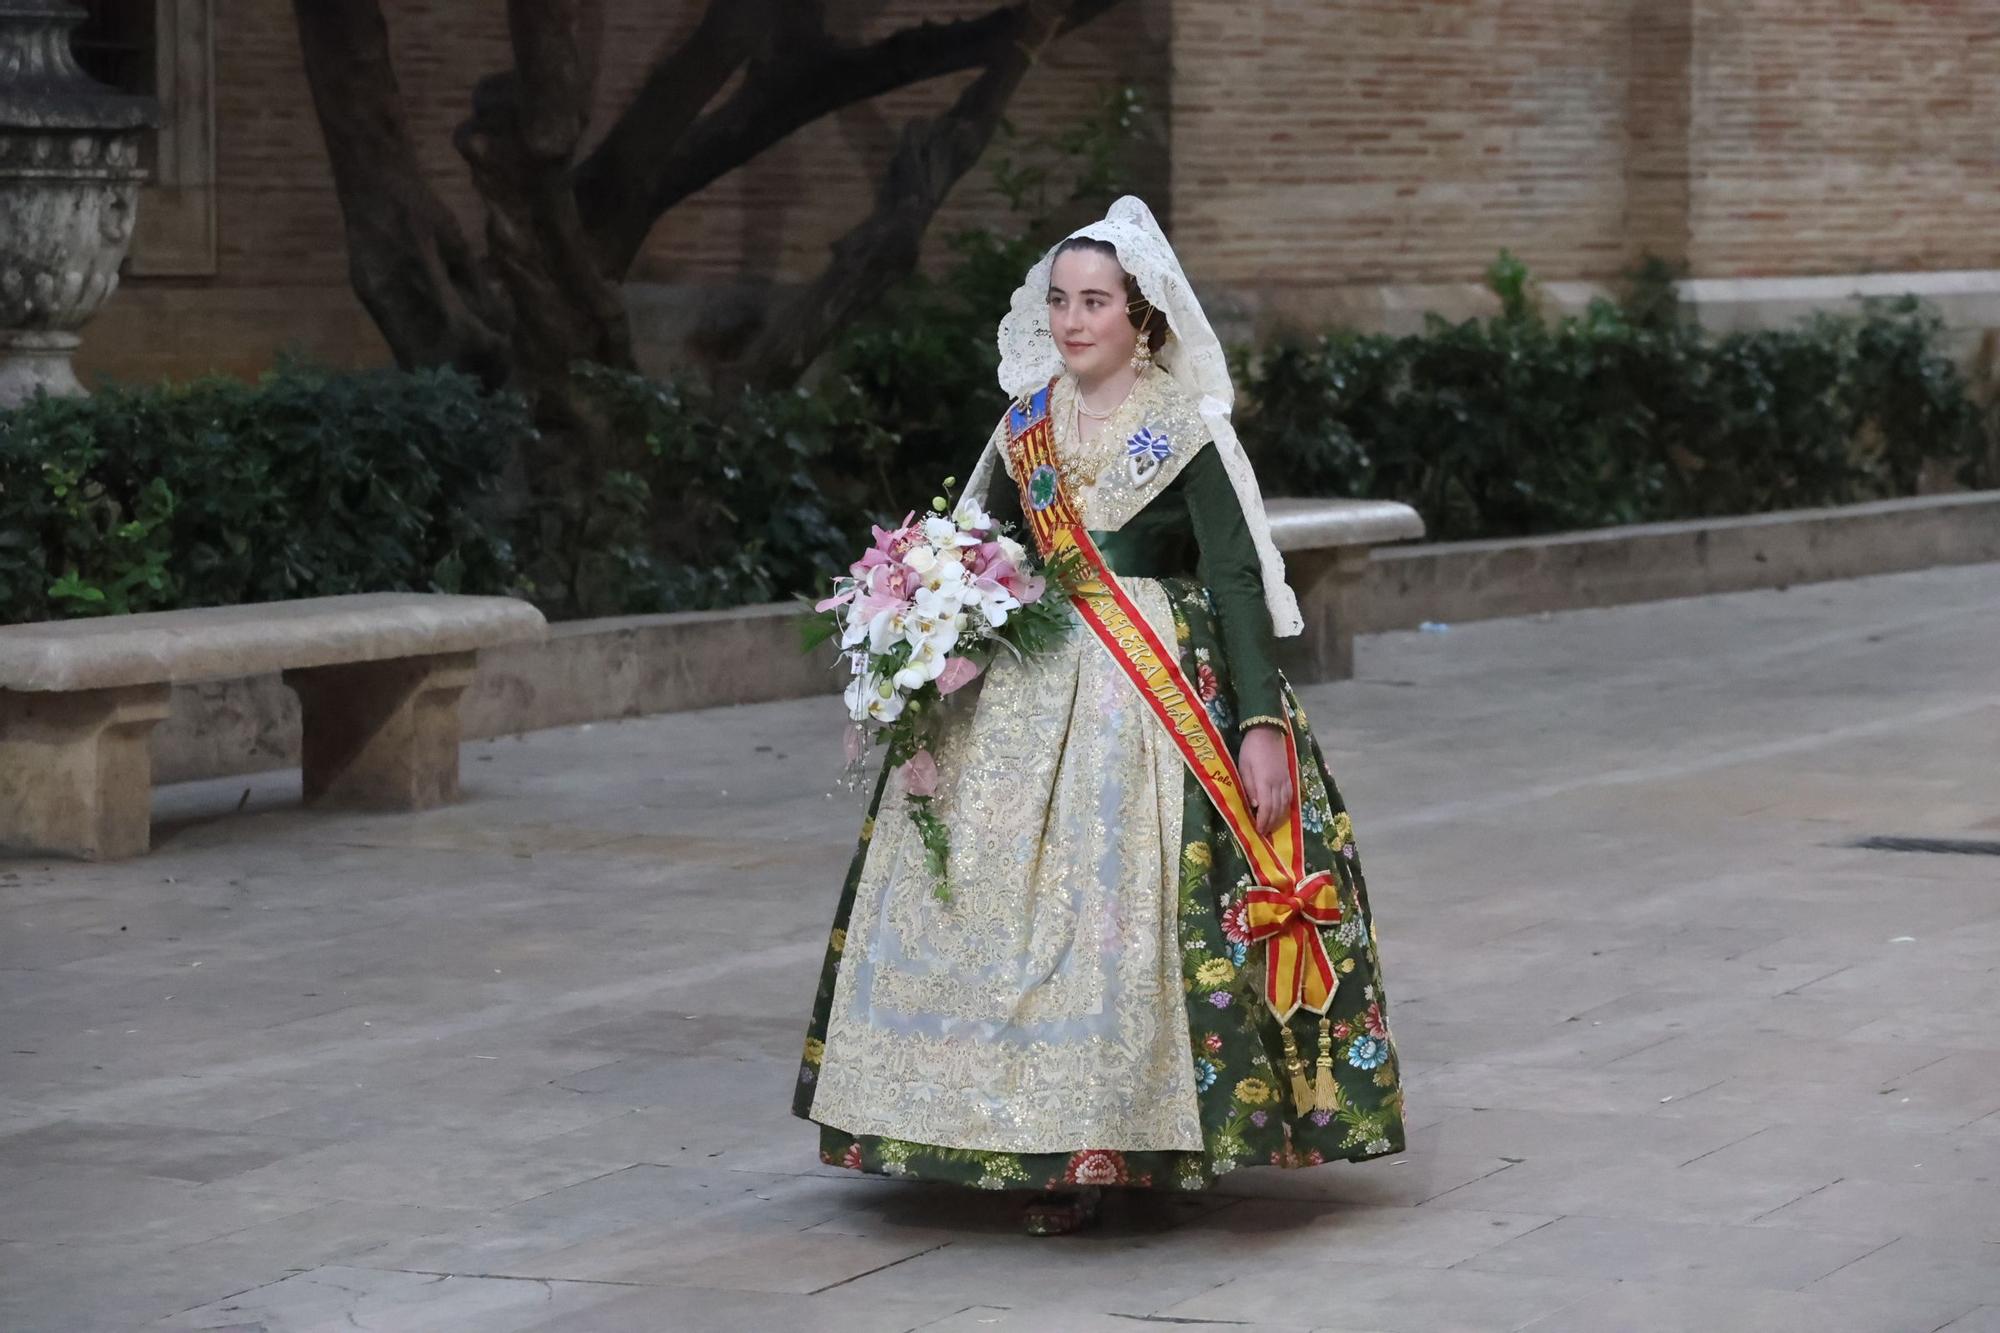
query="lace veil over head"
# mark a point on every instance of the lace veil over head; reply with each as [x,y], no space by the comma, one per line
[1193,356]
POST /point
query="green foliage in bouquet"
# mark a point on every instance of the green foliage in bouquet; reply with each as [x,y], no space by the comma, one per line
[950,588]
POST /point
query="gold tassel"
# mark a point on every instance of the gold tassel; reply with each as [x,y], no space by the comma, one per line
[1301,1090]
[1326,1096]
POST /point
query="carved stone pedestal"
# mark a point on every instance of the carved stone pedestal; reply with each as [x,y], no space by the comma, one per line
[76,778]
[69,190]
[382,735]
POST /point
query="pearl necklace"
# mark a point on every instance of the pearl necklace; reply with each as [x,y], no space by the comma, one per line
[1092,412]
[1081,473]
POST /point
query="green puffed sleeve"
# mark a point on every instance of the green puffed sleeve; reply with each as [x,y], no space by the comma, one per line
[1230,569]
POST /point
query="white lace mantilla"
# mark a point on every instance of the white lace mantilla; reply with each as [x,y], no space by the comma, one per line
[1193,356]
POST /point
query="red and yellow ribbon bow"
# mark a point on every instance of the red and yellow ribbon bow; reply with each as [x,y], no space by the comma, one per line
[1297,971]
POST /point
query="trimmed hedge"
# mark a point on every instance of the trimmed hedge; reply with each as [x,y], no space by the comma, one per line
[1516,425]
[219,492]
[311,482]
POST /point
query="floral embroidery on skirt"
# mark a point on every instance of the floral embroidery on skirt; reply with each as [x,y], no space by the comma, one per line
[1236,1049]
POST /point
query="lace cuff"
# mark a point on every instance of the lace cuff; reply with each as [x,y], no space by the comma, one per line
[1260,720]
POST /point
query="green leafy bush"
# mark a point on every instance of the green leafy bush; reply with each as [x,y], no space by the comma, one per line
[1517,424]
[715,503]
[219,492]
[312,482]
[711,502]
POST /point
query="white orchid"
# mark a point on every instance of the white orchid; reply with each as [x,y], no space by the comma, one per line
[931,637]
[944,576]
[947,533]
[926,664]
[858,695]
[885,629]
[967,516]
[995,602]
[870,698]
[945,601]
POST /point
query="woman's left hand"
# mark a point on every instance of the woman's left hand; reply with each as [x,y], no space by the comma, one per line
[1267,776]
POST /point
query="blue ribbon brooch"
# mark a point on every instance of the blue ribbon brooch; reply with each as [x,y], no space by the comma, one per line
[1144,453]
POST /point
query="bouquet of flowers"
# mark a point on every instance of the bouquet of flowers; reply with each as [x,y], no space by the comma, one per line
[919,616]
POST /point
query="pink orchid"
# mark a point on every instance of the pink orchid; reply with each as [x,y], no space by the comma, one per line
[1027,588]
[896,582]
[920,774]
[902,539]
[958,673]
[987,557]
[887,538]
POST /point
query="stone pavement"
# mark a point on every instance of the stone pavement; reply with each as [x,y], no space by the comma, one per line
[1679,1057]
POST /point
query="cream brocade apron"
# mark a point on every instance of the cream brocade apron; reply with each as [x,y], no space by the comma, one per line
[1042,1008]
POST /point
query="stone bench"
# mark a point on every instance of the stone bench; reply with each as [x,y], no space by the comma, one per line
[1326,545]
[378,678]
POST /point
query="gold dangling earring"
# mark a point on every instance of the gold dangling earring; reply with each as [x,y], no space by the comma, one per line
[1142,351]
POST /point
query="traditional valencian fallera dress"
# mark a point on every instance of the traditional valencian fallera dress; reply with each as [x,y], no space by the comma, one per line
[1091,1006]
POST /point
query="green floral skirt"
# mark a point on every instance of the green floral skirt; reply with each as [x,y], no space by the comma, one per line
[1251,1114]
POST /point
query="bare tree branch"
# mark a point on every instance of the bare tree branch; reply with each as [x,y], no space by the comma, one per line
[407,258]
[800,26]
[560,236]
[622,197]
[885,246]
[611,182]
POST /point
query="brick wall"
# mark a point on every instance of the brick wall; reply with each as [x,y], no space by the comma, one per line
[282,277]
[1379,141]
[1324,159]
[1658,115]
[1840,136]
[772,219]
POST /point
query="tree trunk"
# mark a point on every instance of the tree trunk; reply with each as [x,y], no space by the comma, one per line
[560,235]
[407,258]
[519,142]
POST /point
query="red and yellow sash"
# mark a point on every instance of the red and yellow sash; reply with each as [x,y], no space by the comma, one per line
[1288,905]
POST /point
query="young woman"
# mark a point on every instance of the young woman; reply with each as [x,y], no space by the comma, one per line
[1157,962]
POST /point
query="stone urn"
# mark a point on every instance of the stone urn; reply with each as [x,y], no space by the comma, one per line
[69,190]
